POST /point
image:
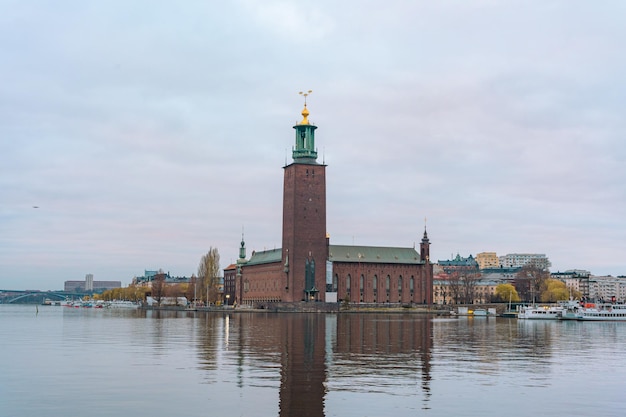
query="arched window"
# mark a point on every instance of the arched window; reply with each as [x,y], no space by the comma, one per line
[362,283]
[348,279]
[388,283]
[412,283]
[375,283]
[400,283]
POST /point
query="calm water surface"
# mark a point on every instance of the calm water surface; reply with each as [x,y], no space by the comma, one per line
[60,361]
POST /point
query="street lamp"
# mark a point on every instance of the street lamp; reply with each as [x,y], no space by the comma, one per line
[227,298]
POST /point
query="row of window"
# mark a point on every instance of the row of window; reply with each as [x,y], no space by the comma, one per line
[374,283]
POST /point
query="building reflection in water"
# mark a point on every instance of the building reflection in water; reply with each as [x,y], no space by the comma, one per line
[303,371]
[381,352]
[316,354]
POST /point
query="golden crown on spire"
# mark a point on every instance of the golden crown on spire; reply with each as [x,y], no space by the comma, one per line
[305,112]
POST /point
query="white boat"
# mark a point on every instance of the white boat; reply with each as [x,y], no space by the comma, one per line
[602,312]
[121,304]
[540,312]
[571,310]
[479,312]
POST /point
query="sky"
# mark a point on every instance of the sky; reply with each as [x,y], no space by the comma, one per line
[137,135]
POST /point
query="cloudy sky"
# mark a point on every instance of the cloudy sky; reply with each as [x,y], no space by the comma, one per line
[147,132]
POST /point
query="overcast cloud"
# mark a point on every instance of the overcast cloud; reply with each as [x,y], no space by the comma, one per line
[146,132]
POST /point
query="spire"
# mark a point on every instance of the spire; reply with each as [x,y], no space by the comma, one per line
[305,151]
[305,112]
[305,116]
[425,246]
[242,248]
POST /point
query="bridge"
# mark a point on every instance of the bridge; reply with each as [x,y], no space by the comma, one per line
[37,296]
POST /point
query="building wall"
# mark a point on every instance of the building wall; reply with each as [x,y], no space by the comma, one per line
[74,285]
[383,283]
[229,284]
[304,228]
[487,260]
[97,285]
[517,260]
[262,283]
[484,291]
[604,288]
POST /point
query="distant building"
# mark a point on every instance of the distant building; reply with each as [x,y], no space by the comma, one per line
[487,260]
[230,276]
[576,280]
[459,264]
[481,291]
[461,280]
[96,286]
[607,289]
[89,282]
[501,274]
[518,260]
[146,279]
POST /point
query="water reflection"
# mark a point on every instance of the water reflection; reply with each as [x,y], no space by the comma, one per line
[317,365]
[308,355]
[384,354]
[164,363]
[283,349]
[303,370]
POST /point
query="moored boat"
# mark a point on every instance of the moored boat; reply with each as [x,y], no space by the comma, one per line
[602,312]
[121,304]
[540,312]
[479,312]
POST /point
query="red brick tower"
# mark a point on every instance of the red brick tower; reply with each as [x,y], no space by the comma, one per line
[305,250]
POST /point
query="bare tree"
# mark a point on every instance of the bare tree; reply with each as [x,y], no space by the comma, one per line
[158,287]
[530,282]
[468,284]
[209,276]
[456,287]
[192,289]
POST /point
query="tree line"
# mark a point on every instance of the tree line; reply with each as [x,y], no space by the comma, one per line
[531,284]
[203,288]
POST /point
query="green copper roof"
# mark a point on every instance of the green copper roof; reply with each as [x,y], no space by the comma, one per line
[459,261]
[373,254]
[265,257]
[349,253]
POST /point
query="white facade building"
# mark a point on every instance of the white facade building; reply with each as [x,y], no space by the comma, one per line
[519,260]
[607,289]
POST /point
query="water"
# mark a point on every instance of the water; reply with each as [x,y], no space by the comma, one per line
[61,361]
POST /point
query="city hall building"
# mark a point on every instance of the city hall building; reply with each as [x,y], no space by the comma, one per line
[308,268]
